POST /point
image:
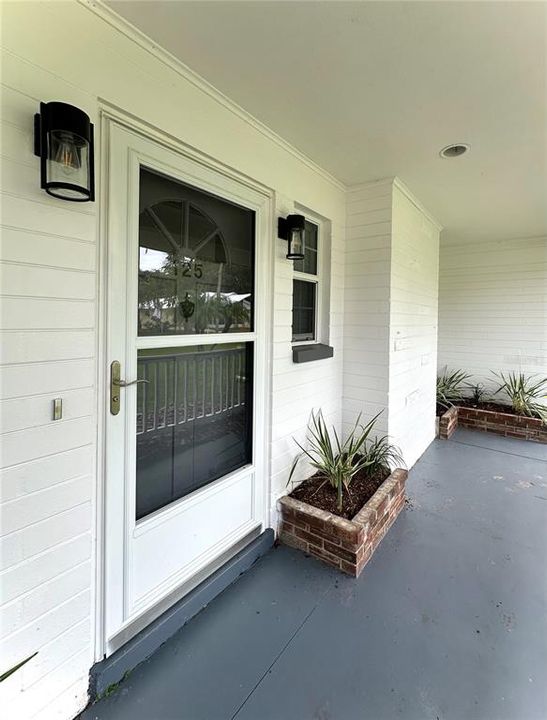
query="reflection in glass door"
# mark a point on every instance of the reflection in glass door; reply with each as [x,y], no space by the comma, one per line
[196,261]
[196,277]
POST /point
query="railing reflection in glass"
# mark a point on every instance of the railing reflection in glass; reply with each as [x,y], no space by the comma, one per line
[193,419]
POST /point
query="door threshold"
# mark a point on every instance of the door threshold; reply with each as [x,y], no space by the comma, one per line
[140,640]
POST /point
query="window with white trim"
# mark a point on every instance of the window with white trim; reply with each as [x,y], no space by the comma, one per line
[307,288]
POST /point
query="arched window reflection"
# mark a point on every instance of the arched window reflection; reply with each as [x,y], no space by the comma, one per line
[195,261]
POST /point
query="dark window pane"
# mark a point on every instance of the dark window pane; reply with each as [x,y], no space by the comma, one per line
[194,419]
[303,310]
[196,261]
[309,263]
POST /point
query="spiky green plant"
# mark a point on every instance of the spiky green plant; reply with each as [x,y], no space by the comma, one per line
[524,392]
[479,393]
[338,462]
[8,673]
[382,454]
[450,387]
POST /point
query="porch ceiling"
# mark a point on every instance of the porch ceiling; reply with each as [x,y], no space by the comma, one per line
[375,89]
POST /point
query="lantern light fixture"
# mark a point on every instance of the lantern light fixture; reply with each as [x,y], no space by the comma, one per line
[63,140]
[292,229]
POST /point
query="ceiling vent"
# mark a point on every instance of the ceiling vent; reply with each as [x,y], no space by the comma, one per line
[455,150]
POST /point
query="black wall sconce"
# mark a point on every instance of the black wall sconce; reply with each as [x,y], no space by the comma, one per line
[292,229]
[63,140]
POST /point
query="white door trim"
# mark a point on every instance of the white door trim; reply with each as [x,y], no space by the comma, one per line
[240,189]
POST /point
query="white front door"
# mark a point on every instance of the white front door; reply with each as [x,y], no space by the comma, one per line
[187,287]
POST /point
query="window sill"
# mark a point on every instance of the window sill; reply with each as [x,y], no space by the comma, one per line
[309,353]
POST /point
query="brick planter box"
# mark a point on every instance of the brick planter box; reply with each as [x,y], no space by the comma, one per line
[501,423]
[345,544]
[448,423]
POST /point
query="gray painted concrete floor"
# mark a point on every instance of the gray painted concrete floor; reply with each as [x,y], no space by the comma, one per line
[447,622]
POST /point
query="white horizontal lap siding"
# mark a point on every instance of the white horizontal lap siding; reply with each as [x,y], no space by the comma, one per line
[48,346]
[297,389]
[48,325]
[413,327]
[367,303]
[493,307]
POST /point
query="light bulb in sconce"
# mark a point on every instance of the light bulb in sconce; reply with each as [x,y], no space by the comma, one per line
[66,153]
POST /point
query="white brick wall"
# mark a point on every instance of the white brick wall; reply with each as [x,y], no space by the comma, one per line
[49,343]
[493,306]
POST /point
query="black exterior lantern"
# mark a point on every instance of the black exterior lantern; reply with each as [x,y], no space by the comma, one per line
[63,139]
[292,229]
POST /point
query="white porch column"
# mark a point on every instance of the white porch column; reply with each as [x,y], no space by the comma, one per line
[391,306]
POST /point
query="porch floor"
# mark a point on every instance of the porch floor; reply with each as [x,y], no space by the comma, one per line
[447,621]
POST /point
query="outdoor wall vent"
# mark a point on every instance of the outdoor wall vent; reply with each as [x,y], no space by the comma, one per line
[455,150]
[63,140]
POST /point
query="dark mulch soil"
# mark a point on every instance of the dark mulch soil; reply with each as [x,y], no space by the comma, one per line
[494,407]
[320,493]
[441,409]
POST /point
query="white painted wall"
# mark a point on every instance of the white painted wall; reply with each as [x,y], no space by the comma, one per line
[48,349]
[367,303]
[413,325]
[391,314]
[50,286]
[493,307]
[299,388]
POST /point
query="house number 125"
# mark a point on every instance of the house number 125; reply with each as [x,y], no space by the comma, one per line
[192,268]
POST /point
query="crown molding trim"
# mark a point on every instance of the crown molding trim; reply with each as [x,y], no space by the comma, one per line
[356,187]
[481,241]
[138,37]
[400,185]
[109,16]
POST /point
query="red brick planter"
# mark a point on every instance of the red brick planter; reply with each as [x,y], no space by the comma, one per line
[448,423]
[500,423]
[346,544]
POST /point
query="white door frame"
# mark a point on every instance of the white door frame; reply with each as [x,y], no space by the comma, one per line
[200,171]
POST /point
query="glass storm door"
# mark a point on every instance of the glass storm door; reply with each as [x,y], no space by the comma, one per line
[194,402]
[185,453]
